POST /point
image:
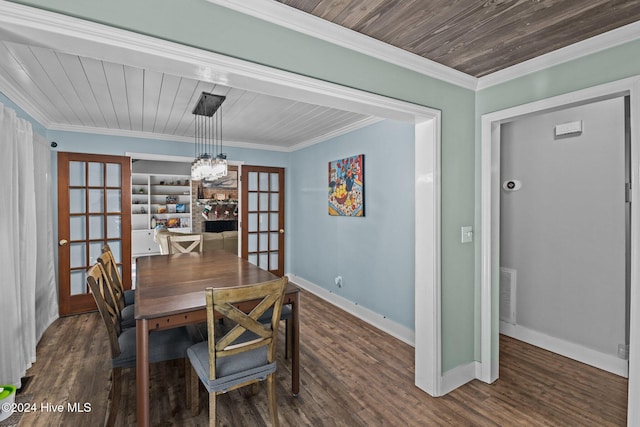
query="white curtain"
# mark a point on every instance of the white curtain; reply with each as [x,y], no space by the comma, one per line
[26,246]
[46,285]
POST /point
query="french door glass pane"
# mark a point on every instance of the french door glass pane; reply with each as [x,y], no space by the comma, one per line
[95,249]
[274,201]
[114,229]
[273,260]
[116,249]
[253,259]
[96,227]
[273,242]
[77,200]
[252,242]
[78,255]
[264,261]
[77,174]
[253,181]
[113,175]
[264,242]
[114,200]
[264,181]
[273,221]
[253,223]
[274,182]
[264,224]
[78,285]
[77,225]
[96,200]
[264,201]
[253,202]
[96,174]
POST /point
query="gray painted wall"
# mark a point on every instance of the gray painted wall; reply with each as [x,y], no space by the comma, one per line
[564,230]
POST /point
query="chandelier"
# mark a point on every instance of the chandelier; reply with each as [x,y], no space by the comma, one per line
[210,162]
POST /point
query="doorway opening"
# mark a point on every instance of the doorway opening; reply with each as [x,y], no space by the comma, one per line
[564,222]
[490,224]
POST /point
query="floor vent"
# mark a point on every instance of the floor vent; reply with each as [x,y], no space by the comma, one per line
[508,279]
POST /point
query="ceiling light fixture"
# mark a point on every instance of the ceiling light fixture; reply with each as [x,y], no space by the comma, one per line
[210,162]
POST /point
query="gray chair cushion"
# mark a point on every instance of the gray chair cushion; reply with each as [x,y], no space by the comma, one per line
[164,345]
[285,314]
[127,317]
[129,297]
[230,370]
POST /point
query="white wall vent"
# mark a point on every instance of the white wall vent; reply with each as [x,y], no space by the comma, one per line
[508,279]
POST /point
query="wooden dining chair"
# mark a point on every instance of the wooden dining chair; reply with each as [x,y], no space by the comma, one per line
[126,313]
[111,267]
[180,244]
[246,352]
[285,315]
[163,345]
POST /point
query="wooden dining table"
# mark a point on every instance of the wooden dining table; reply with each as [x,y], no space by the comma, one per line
[170,292]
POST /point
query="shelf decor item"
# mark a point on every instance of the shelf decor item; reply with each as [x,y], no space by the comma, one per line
[346,186]
[210,162]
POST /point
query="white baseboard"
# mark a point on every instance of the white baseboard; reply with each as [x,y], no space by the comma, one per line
[458,376]
[578,352]
[377,320]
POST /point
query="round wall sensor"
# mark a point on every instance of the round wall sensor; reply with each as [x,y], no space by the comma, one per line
[511,185]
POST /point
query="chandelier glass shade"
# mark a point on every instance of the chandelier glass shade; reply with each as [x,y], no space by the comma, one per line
[210,162]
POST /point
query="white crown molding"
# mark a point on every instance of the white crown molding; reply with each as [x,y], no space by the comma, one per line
[157,136]
[293,19]
[344,130]
[586,47]
[10,91]
[226,143]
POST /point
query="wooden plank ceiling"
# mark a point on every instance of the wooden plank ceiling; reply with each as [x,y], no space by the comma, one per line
[70,92]
[476,37]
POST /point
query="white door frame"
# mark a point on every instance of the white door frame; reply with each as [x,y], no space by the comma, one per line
[490,225]
[106,43]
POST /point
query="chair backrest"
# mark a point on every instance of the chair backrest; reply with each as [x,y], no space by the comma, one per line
[111,269]
[183,243]
[97,280]
[223,301]
[230,241]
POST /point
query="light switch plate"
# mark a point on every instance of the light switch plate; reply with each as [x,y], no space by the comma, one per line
[466,234]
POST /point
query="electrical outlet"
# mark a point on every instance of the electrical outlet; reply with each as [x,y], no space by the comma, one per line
[623,351]
[338,281]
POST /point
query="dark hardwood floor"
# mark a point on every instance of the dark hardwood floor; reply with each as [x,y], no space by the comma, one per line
[352,375]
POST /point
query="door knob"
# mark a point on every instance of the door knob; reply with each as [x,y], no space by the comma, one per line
[63,242]
[281,231]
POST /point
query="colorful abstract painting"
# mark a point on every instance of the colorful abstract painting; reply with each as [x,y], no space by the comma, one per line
[346,186]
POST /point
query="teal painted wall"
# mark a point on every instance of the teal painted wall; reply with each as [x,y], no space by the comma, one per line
[210,27]
[592,70]
[373,254]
